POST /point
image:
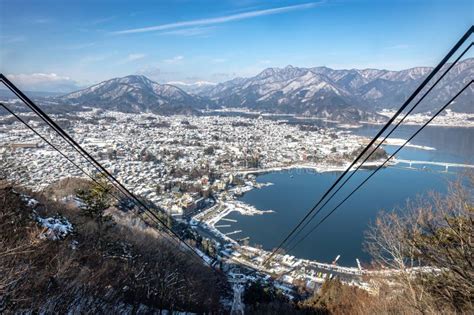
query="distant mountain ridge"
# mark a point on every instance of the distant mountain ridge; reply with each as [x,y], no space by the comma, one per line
[195,87]
[319,91]
[325,91]
[135,93]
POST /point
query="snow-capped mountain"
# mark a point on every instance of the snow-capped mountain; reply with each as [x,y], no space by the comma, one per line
[288,90]
[327,92]
[352,94]
[135,93]
[197,87]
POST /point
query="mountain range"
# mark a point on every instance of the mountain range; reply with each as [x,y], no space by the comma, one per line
[319,91]
[198,87]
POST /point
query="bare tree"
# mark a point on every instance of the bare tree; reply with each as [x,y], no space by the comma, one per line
[427,250]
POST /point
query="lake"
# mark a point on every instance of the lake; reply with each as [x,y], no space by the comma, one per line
[295,192]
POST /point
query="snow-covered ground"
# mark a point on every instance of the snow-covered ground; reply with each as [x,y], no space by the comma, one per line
[449,119]
[55,228]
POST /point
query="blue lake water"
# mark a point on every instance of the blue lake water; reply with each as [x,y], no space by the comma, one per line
[295,192]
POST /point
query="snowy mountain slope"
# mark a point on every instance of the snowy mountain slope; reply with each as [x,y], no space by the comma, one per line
[135,93]
[321,90]
[193,88]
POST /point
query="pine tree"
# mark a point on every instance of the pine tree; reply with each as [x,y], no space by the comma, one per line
[96,200]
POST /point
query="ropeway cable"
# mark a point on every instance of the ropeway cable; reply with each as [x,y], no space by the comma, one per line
[80,168]
[89,158]
[64,155]
[53,146]
[381,131]
[382,165]
[70,160]
[377,146]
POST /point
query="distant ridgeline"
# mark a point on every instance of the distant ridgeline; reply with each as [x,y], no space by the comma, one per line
[343,95]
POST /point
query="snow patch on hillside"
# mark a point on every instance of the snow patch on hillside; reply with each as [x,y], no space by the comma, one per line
[56,228]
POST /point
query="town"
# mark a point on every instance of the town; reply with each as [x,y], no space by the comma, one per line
[192,167]
[175,161]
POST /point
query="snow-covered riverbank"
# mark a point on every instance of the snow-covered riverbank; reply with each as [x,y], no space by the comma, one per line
[303,166]
[449,119]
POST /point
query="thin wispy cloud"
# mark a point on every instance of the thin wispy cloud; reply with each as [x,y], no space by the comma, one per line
[44,82]
[192,31]
[101,20]
[220,19]
[174,60]
[133,57]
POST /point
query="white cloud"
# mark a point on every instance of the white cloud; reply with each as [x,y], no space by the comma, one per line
[101,20]
[50,82]
[174,60]
[133,57]
[196,83]
[220,19]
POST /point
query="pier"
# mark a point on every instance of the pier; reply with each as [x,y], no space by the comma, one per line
[228,220]
[233,232]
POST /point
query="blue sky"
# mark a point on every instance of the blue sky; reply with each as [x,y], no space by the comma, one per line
[62,45]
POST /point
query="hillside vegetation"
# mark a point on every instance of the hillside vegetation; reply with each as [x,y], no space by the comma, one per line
[117,266]
[57,258]
[424,256]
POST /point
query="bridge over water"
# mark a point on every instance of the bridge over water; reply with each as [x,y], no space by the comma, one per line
[445,164]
